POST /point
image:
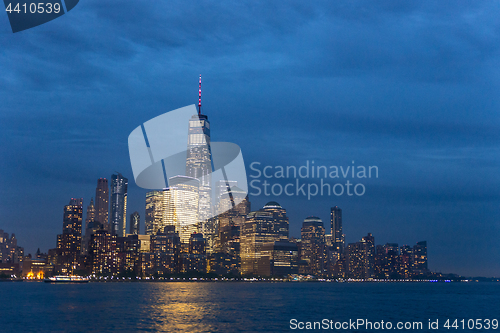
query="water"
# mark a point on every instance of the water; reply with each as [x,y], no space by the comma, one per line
[235,306]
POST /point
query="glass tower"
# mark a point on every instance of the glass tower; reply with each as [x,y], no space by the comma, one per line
[118,218]
[336,225]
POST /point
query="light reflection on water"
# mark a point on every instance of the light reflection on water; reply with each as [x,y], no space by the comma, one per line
[231,306]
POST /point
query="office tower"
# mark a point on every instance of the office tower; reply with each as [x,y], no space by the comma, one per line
[336,227]
[420,255]
[135,220]
[102,253]
[154,212]
[369,256]
[102,202]
[221,188]
[280,258]
[166,249]
[118,218]
[267,225]
[199,165]
[313,249]
[180,206]
[230,220]
[70,241]
[227,207]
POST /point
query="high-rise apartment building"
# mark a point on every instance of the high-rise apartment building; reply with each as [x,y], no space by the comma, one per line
[69,243]
[360,258]
[420,257]
[102,202]
[118,218]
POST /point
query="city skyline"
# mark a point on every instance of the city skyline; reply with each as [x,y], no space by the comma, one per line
[408,87]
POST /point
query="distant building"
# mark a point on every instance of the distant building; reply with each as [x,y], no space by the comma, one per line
[69,243]
[180,207]
[118,217]
[387,261]
[280,258]
[199,166]
[360,258]
[336,229]
[128,256]
[102,253]
[406,262]
[154,212]
[420,257]
[313,247]
[165,249]
[196,259]
[268,225]
[102,202]
[9,251]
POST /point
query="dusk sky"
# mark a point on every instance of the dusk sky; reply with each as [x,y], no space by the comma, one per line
[411,87]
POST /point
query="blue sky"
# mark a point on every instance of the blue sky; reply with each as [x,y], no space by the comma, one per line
[411,87]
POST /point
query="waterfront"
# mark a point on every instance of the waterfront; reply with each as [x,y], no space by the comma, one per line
[233,306]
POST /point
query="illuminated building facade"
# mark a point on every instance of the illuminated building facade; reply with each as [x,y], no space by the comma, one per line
[102,253]
[166,251]
[102,202]
[180,206]
[280,258]
[154,212]
[196,258]
[267,225]
[336,227]
[118,216]
[69,243]
[199,165]
[360,258]
[420,257]
[313,247]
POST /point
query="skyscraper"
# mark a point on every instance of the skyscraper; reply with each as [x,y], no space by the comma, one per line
[70,241]
[313,247]
[267,225]
[180,207]
[89,223]
[135,223]
[90,212]
[154,212]
[420,255]
[199,165]
[118,218]
[102,202]
[336,225]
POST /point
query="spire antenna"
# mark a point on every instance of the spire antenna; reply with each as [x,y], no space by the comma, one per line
[199,98]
